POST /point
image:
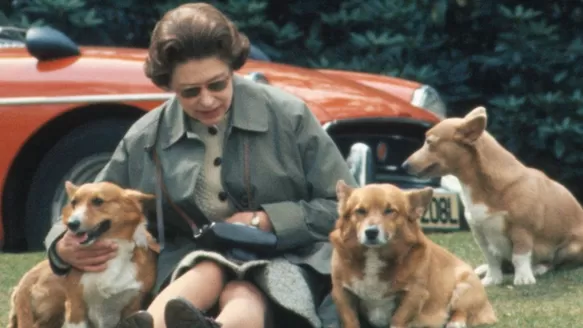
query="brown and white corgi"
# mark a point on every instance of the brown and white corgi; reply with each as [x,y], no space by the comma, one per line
[92,299]
[386,271]
[516,213]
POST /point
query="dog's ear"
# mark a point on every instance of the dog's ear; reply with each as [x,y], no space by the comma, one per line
[140,197]
[419,200]
[472,126]
[480,110]
[71,188]
[343,192]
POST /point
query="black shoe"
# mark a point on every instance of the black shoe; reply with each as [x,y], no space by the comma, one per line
[180,313]
[140,319]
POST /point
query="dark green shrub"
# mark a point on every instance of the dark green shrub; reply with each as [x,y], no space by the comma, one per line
[521,59]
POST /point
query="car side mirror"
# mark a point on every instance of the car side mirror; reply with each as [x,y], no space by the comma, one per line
[360,163]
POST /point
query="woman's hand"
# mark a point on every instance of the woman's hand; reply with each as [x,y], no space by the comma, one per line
[245,218]
[92,258]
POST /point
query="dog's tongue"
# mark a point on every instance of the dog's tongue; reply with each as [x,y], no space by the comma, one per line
[80,238]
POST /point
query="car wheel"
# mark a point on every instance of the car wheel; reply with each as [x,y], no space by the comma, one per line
[77,157]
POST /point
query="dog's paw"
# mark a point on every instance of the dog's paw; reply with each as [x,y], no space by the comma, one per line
[490,280]
[481,270]
[524,279]
[456,324]
[540,269]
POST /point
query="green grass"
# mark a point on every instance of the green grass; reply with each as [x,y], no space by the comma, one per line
[12,267]
[555,301]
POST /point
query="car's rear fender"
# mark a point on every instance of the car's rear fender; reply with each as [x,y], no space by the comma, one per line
[32,150]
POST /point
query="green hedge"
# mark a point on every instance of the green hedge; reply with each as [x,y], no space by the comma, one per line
[521,59]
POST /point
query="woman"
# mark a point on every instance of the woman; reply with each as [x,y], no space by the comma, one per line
[231,150]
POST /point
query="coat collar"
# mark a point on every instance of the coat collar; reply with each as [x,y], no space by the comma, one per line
[248,112]
[249,106]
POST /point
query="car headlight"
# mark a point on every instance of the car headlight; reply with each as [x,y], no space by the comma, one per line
[428,98]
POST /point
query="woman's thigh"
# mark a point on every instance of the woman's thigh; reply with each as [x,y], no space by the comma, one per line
[201,285]
[239,289]
[237,292]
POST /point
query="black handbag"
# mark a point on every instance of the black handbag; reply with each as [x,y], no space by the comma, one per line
[240,241]
[223,237]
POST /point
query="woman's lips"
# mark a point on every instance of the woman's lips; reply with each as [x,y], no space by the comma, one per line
[210,114]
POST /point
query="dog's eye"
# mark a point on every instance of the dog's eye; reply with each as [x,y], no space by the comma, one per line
[430,143]
[97,201]
[388,211]
[73,202]
[360,211]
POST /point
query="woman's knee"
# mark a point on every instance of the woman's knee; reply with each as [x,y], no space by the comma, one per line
[210,271]
[237,289]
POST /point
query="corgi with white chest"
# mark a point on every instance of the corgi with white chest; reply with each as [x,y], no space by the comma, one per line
[92,299]
[516,213]
[387,272]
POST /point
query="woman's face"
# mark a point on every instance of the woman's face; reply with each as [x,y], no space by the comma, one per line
[204,88]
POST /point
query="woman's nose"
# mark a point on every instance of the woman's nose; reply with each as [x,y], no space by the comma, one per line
[206,99]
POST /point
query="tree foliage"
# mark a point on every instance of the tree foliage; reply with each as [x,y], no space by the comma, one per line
[521,59]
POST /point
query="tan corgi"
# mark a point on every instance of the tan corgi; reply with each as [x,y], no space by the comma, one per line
[386,271]
[92,299]
[516,213]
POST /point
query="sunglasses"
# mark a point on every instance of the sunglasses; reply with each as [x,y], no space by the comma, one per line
[216,86]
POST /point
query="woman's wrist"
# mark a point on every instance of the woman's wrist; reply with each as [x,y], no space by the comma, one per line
[55,258]
[260,220]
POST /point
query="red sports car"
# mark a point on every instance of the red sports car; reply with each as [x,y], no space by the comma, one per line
[63,109]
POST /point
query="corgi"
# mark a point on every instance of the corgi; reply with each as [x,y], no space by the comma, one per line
[385,270]
[516,213]
[92,299]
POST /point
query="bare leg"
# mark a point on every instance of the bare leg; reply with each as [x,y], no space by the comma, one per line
[242,305]
[201,286]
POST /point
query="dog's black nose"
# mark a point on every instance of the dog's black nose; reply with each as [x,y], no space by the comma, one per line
[371,233]
[73,225]
[405,166]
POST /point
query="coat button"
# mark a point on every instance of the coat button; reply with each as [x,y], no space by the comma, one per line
[222,196]
[217,161]
[213,130]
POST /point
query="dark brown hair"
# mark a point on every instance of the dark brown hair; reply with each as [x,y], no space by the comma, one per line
[193,31]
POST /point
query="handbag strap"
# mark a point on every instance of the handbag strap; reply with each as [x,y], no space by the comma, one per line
[162,191]
[160,178]
[247,173]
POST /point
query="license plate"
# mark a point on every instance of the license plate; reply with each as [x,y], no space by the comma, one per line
[444,212]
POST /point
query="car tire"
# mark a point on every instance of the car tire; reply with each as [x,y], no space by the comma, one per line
[78,157]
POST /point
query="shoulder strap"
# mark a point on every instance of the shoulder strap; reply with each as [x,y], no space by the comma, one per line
[247,174]
[162,192]
[160,184]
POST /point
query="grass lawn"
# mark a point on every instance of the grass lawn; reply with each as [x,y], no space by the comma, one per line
[556,300]
[12,267]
